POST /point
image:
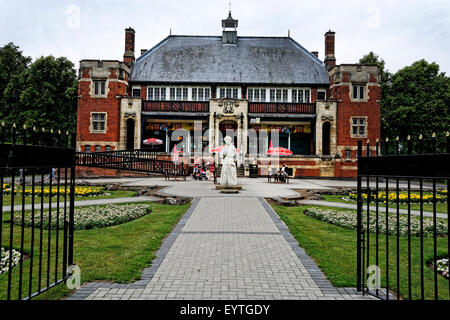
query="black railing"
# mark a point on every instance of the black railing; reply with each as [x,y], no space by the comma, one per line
[175,106]
[401,234]
[128,160]
[281,107]
[37,183]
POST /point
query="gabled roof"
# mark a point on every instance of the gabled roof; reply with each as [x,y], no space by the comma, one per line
[204,59]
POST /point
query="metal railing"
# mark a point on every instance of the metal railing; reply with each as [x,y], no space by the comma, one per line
[281,107]
[129,160]
[400,233]
[175,106]
[37,184]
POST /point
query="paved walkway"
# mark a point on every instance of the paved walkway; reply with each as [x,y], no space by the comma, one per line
[381,208]
[257,187]
[82,203]
[226,248]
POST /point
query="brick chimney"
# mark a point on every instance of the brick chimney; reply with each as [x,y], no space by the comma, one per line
[128,56]
[330,59]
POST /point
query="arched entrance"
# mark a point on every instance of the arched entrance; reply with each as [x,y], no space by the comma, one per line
[228,128]
[130,134]
[326,128]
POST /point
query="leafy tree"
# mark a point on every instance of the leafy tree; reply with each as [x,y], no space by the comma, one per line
[49,94]
[415,100]
[12,64]
[418,102]
[42,94]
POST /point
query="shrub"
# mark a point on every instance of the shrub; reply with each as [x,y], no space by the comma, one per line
[90,217]
[347,219]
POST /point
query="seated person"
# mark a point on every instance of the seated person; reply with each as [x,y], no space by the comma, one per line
[283,175]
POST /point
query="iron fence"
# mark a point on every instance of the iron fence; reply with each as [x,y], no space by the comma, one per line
[37,184]
[129,160]
[402,223]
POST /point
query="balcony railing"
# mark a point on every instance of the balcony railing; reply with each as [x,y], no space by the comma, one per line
[175,106]
[281,107]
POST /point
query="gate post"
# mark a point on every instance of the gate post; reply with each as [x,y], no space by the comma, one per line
[358,221]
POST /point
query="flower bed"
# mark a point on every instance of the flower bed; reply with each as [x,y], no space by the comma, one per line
[442,267]
[4,259]
[38,191]
[91,217]
[441,196]
[347,219]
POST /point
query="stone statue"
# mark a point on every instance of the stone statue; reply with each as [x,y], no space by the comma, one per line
[229,156]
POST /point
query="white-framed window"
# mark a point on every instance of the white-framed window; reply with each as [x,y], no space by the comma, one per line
[172,94]
[98,122]
[99,87]
[358,126]
[321,95]
[256,95]
[156,93]
[272,95]
[87,148]
[359,92]
[285,95]
[178,96]
[98,148]
[229,93]
[194,94]
[185,94]
[301,95]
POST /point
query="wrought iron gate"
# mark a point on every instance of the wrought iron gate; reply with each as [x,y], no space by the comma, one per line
[400,233]
[37,184]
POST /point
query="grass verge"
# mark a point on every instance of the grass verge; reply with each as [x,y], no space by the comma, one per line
[334,250]
[118,253]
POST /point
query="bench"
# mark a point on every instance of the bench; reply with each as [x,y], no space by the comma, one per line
[273,175]
[174,173]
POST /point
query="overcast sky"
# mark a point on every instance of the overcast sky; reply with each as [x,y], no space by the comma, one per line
[400,31]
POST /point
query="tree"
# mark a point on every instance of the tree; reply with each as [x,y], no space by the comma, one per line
[12,64]
[49,94]
[415,100]
[42,94]
[418,102]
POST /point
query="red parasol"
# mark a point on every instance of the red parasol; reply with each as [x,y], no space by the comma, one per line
[219,149]
[152,142]
[278,151]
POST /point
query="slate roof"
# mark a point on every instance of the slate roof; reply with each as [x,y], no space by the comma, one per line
[204,59]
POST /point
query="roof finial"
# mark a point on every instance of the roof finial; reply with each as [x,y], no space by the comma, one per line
[229,5]
[170,32]
[289,33]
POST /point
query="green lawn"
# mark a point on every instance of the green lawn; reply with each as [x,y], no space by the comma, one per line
[37,199]
[440,206]
[117,253]
[334,250]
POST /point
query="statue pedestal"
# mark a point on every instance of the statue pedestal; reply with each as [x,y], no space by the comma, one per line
[236,187]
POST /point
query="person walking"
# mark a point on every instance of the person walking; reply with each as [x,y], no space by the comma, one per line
[212,166]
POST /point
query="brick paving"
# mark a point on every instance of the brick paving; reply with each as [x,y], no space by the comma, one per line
[226,248]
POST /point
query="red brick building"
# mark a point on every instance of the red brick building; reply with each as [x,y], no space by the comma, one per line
[260,90]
